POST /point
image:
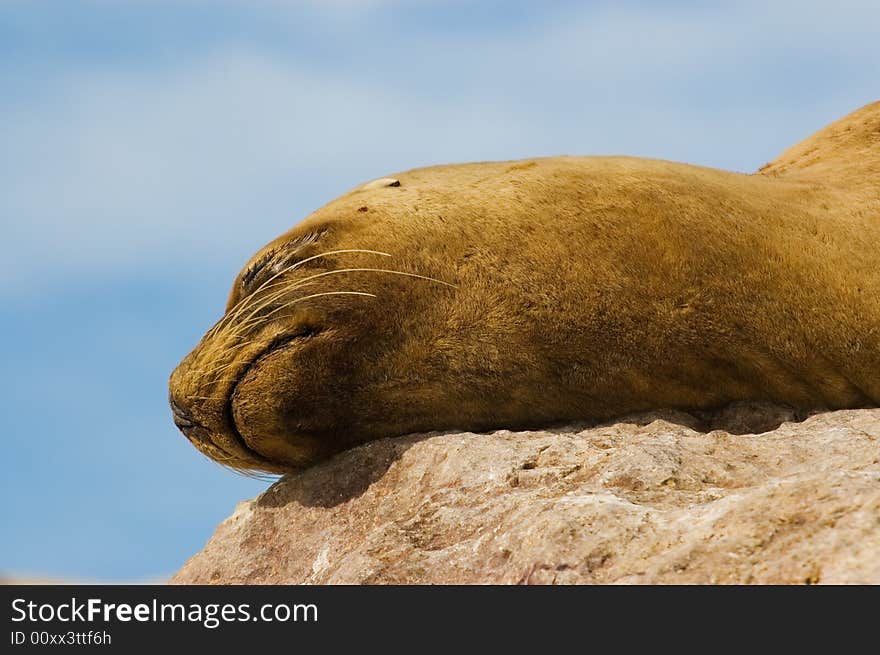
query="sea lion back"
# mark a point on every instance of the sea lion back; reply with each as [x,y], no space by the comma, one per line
[845,154]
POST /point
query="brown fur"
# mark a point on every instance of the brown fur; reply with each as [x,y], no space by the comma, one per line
[584,288]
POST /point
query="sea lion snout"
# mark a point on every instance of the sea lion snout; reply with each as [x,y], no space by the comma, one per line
[199,401]
[192,429]
[182,418]
[248,393]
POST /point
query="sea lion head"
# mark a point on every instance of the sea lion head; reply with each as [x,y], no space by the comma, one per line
[306,360]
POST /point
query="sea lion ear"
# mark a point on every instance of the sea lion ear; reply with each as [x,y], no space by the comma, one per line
[383,182]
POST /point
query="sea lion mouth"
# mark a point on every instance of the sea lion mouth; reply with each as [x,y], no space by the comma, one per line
[276,344]
[182,418]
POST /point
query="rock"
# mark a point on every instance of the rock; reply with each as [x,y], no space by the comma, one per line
[648,499]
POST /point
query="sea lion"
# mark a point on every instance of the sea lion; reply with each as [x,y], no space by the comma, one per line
[529,293]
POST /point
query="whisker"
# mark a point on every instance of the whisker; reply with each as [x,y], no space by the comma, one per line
[245,323]
[235,346]
[253,475]
[223,367]
[288,288]
[305,280]
[224,459]
[308,259]
[379,270]
[232,315]
[275,285]
[220,367]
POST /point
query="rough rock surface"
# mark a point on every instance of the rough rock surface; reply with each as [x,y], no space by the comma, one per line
[653,498]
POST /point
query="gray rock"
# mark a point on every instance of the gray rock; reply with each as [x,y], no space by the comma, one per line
[647,499]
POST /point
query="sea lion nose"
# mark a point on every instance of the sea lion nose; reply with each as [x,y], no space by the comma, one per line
[182,418]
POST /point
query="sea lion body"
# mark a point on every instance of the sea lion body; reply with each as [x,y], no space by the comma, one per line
[522,294]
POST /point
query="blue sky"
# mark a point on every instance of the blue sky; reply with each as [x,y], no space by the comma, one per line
[148,148]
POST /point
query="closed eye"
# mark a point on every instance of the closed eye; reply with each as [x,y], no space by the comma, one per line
[277,260]
[251,273]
